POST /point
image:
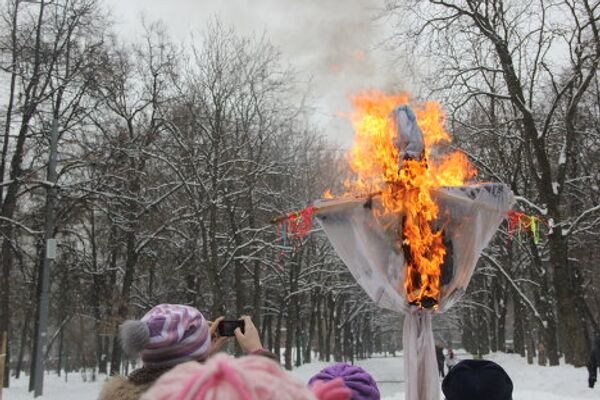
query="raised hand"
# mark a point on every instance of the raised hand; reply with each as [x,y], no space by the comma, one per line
[249,340]
[216,342]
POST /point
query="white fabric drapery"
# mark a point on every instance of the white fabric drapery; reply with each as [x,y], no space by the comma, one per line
[369,246]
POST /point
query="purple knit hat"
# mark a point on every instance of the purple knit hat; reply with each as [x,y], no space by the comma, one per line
[167,335]
[359,381]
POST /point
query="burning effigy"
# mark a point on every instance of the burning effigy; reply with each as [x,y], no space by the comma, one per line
[410,225]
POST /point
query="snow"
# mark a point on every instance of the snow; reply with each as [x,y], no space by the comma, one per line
[550,226]
[387,371]
[563,155]
[555,187]
[55,388]
[531,382]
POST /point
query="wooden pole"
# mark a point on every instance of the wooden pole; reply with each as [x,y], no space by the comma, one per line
[2,360]
[343,202]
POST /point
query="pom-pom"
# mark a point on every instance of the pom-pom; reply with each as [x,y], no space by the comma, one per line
[134,336]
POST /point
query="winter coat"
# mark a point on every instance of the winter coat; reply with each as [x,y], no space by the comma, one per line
[131,387]
[439,354]
[594,363]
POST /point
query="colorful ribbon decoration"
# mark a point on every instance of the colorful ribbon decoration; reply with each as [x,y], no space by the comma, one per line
[518,221]
[296,226]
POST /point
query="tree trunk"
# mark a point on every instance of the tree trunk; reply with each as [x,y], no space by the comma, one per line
[483,334]
[123,309]
[320,330]
[330,326]
[530,345]
[311,328]
[278,333]
[299,338]
[571,331]
[23,342]
[290,328]
[467,332]
[38,293]
[9,204]
[544,297]
[541,353]
[501,325]
[337,329]
[60,352]
[257,315]
[519,330]
[267,331]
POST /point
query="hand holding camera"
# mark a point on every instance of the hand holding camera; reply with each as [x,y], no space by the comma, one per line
[217,341]
[248,339]
[243,329]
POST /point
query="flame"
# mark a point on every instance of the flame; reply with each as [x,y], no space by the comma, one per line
[406,187]
[327,194]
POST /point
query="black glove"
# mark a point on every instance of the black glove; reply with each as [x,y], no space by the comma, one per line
[591,383]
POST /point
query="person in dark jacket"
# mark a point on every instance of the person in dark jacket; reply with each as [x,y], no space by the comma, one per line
[439,355]
[477,380]
[594,363]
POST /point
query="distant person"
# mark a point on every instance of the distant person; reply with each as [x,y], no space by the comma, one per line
[246,378]
[439,355]
[359,381]
[451,359]
[594,363]
[477,380]
[541,354]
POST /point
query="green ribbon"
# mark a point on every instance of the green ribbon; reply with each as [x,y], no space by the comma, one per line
[534,230]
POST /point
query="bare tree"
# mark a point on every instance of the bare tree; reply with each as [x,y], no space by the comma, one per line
[493,51]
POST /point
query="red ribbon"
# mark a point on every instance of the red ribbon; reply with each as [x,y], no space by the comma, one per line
[299,223]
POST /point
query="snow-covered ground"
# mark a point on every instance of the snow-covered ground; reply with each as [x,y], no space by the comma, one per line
[531,382]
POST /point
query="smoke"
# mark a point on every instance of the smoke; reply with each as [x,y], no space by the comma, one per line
[333,45]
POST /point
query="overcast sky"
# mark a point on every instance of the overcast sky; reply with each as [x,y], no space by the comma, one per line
[335,45]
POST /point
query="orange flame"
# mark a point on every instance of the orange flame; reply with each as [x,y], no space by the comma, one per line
[406,187]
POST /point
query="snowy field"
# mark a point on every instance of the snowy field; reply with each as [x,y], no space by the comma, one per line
[531,381]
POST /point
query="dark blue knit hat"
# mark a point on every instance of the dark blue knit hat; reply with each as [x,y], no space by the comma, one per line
[477,380]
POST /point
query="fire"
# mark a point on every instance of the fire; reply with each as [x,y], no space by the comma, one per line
[406,186]
[327,195]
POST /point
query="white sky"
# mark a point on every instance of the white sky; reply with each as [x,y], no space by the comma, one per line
[336,45]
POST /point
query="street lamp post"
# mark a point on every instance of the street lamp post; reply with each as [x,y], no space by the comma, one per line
[49,256]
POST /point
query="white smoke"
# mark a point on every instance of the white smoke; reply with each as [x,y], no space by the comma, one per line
[334,45]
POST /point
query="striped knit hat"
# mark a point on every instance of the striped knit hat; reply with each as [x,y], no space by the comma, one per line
[167,335]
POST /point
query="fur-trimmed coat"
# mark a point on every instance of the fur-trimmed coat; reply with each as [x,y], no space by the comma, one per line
[131,387]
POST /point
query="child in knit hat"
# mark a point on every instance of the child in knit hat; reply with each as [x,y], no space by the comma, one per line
[359,381]
[245,378]
[169,334]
